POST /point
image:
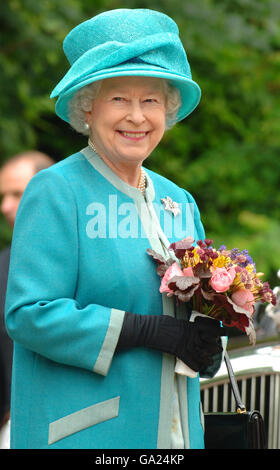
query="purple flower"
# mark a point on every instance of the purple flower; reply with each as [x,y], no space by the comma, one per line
[241,257]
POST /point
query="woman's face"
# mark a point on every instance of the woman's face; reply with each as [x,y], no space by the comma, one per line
[127,119]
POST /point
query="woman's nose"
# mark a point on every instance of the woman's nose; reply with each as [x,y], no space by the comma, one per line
[135,113]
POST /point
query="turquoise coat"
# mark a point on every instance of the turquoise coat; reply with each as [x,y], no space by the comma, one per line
[72,276]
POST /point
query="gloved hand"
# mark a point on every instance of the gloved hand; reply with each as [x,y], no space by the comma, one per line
[195,343]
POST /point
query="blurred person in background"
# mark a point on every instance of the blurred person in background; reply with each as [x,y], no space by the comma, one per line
[15,174]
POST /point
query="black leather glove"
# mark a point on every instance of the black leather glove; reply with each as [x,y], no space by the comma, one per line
[195,343]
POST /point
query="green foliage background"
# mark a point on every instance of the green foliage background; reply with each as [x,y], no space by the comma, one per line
[226,153]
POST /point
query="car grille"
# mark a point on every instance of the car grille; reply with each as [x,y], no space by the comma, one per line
[259,391]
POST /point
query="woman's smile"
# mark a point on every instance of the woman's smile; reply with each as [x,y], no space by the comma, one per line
[133,135]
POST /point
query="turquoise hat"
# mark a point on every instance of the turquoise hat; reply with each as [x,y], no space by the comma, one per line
[126,42]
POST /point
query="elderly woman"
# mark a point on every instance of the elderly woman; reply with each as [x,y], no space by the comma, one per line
[95,340]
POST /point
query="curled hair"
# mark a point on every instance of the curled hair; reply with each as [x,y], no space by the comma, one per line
[82,102]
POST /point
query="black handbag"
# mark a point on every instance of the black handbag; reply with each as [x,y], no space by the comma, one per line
[240,430]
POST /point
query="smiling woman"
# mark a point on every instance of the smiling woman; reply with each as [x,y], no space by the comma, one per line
[82,102]
[95,341]
[125,118]
[126,122]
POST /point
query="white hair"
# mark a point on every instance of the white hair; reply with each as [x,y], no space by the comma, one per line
[82,102]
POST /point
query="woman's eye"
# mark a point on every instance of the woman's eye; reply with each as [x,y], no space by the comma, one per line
[153,100]
[118,98]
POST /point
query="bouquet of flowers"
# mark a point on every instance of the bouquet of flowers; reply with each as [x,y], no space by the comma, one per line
[222,284]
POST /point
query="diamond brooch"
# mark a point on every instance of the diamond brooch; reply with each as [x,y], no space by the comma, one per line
[171,206]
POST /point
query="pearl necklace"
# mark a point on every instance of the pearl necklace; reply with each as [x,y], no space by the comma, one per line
[142,181]
[142,178]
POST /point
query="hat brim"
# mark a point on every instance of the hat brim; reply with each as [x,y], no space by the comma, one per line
[189,89]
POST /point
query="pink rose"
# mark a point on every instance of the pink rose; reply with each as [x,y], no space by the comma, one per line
[222,278]
[173,270]
[188,272]
[244,298]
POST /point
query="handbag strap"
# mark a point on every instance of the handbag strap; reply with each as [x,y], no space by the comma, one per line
[241,408]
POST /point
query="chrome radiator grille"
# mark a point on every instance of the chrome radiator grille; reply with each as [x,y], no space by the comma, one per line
[259,391]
